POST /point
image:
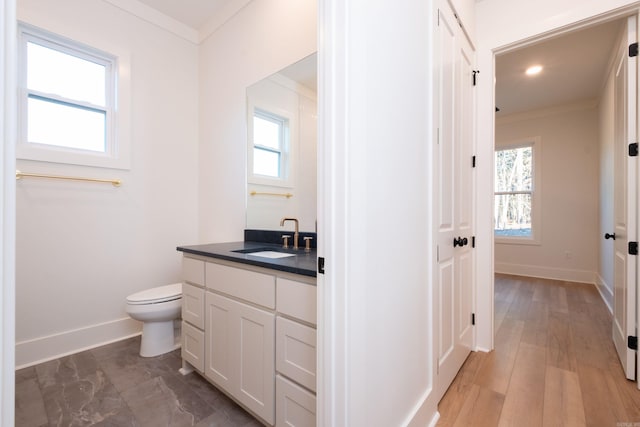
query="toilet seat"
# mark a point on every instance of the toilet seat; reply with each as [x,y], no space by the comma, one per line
[156,295]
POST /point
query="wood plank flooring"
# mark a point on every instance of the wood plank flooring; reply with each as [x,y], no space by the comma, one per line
[554,363]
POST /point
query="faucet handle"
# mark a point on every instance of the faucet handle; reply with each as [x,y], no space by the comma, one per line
[307,244]
[285,237]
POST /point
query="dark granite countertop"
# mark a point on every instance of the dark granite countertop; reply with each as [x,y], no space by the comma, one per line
[303,263]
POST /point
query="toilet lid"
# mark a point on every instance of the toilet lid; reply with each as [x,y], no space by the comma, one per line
[156,295]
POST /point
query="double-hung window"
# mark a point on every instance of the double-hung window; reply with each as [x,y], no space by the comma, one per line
[68,101]
[269,146]
[516,197]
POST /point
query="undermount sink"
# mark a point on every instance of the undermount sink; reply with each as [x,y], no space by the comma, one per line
[265,253]
[271,254]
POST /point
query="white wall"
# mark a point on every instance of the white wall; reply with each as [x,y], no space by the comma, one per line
[81,247]
[606,223]
[376,135]
[569,233]
[499,24]
[266,38]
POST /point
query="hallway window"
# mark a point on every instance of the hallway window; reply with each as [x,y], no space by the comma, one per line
[515,193]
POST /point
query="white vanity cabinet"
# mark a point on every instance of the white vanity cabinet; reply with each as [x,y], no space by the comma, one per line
[193,313]
[296,353]
[251,331]
[239,336]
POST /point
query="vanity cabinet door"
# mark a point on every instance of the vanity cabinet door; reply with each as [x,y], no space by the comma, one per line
[255,357]
[240,348]
[219,330]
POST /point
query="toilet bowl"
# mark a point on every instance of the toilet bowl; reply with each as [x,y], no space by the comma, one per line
[157,308]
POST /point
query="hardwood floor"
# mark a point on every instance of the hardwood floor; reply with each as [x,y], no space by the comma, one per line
[554,363]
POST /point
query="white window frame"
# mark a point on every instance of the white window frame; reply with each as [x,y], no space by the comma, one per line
[287,151]
[117,152]
[536,192]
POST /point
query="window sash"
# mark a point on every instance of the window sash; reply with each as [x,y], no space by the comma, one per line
[34,35]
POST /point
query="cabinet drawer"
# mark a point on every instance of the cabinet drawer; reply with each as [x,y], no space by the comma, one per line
[297,299]
[295,406]
[193,346]
[296,352]
[248,285]
[193,305]
[193,270]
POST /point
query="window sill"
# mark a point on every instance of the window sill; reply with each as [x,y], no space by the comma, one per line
[516,241]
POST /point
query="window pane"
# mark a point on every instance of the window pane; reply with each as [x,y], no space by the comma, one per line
[266,133]
[514,169]
[266,163]
[65,126]
[54,72]
[513,215]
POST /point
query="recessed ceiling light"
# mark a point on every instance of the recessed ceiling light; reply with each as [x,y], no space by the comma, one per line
[533,70]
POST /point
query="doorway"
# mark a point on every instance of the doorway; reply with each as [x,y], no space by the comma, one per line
[567,108]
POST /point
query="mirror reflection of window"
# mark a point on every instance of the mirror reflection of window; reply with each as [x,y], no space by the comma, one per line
[269,131]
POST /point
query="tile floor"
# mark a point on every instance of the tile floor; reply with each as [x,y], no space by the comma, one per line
[113,386]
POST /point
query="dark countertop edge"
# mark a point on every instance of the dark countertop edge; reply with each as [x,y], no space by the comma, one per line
[242,259]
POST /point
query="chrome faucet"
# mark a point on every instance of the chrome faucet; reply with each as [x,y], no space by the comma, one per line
[295,234]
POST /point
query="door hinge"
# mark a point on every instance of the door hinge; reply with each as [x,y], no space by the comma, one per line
[633,149]
[321,265]
[632,342]
[633,248]
[473,161]
[633,50]
[473,318]
[473,241]
[475,74]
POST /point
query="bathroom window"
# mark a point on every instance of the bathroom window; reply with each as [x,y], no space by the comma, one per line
[68,102]
[516,198]
[269,148]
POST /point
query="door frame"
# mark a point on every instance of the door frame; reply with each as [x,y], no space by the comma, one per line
[8,125]
[578,18]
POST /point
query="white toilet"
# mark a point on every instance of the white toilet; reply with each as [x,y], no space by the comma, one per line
[157,308]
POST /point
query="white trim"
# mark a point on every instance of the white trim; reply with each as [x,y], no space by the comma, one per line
[568,275]
[221,17]
[180,29]
[42,349]
[155,17]
[8,125]
[605,292]
[333,403]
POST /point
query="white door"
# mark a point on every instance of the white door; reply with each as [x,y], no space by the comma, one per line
[454,198]
[625,202]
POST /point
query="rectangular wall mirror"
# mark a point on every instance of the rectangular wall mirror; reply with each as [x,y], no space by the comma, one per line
[281,147]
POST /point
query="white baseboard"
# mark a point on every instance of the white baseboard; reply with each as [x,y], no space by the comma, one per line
[43,349]
[580,276]
[605,292]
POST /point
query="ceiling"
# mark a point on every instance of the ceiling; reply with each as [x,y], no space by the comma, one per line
[193,13]
[574,64]
[575,67]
